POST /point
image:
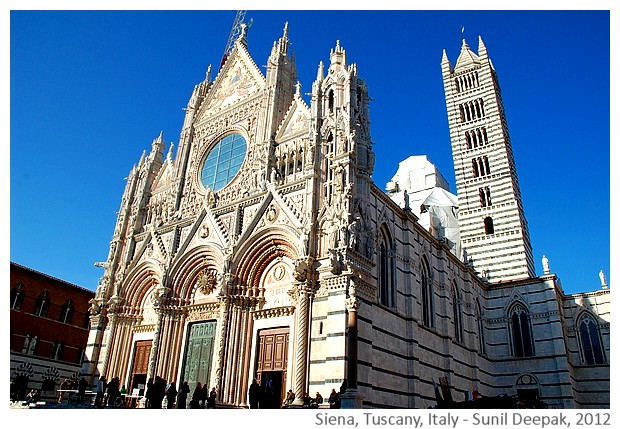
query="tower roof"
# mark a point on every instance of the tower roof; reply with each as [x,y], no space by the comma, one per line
[466,58]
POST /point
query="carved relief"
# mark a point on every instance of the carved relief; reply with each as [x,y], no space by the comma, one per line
[276,284]
[207,281]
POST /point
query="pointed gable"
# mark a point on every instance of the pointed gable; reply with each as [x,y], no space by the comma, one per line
[296,121]
[466,58]
[238,80]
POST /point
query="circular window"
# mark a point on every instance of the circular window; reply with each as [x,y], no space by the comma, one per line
[223,161]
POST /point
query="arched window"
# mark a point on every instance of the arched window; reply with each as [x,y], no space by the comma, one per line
[457,313]
[590,340]
[488,226]
[42,305]
[57,350]
[330,100]
[17,297]
[385,270]
[428,308]
[480,316]
[521,332]
[66,313]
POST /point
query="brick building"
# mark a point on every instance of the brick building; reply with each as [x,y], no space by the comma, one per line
[48,332]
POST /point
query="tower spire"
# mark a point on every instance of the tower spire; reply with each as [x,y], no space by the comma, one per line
[491,214]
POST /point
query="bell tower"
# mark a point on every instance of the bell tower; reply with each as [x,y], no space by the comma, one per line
[494,233]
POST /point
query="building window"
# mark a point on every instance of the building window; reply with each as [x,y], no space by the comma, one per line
[42,305]
[521,332]
[385,270]
[485,196]
[457,314]
[17,297]
[480,315]
[590,341]
[223,161]
[66,313]
[57,350]
[428,309]
[488,225]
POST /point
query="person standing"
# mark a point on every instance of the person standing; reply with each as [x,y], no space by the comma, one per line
[82,390]
[63,386]
[101,386]
[171,395]
[195,402]
[254,394]
[211,398]
[204,395]
[182,398]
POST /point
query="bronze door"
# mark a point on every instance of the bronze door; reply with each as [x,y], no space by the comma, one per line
[199,353]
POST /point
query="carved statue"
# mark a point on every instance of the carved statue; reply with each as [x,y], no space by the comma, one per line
[353,231]
[601,275]
[545,263]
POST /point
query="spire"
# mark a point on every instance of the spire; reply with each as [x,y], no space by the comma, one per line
[466,57]
[158,144]
[320,73]
[444,57]
[338,56]
[283,42]
[208,75]
[169,155]
[482,50]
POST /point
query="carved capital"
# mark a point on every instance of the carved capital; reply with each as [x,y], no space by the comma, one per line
[352,303]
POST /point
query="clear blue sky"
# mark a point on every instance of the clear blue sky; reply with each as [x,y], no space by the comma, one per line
[90,90]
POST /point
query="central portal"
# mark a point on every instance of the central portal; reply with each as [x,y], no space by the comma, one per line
[271,365]
[199,353]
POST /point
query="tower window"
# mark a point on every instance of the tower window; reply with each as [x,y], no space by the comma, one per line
[485,196]
[488,226]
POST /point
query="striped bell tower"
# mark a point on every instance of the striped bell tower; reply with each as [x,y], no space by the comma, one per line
[494,232]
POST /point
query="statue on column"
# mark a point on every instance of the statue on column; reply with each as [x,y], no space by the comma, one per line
[545,263]
[601,274]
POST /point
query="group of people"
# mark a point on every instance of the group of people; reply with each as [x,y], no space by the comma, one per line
[263,396]
[108,393]
[202,397]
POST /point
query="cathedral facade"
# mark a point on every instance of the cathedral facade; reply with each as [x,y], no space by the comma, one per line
[263,250]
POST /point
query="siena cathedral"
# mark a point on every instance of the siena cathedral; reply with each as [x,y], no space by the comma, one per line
[264,250]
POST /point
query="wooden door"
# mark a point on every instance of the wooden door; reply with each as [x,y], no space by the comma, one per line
[272,356]
[141,357]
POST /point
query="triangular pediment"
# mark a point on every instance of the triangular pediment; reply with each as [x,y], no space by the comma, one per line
[164,178]
[296,121]
[238,79]
[466,58]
